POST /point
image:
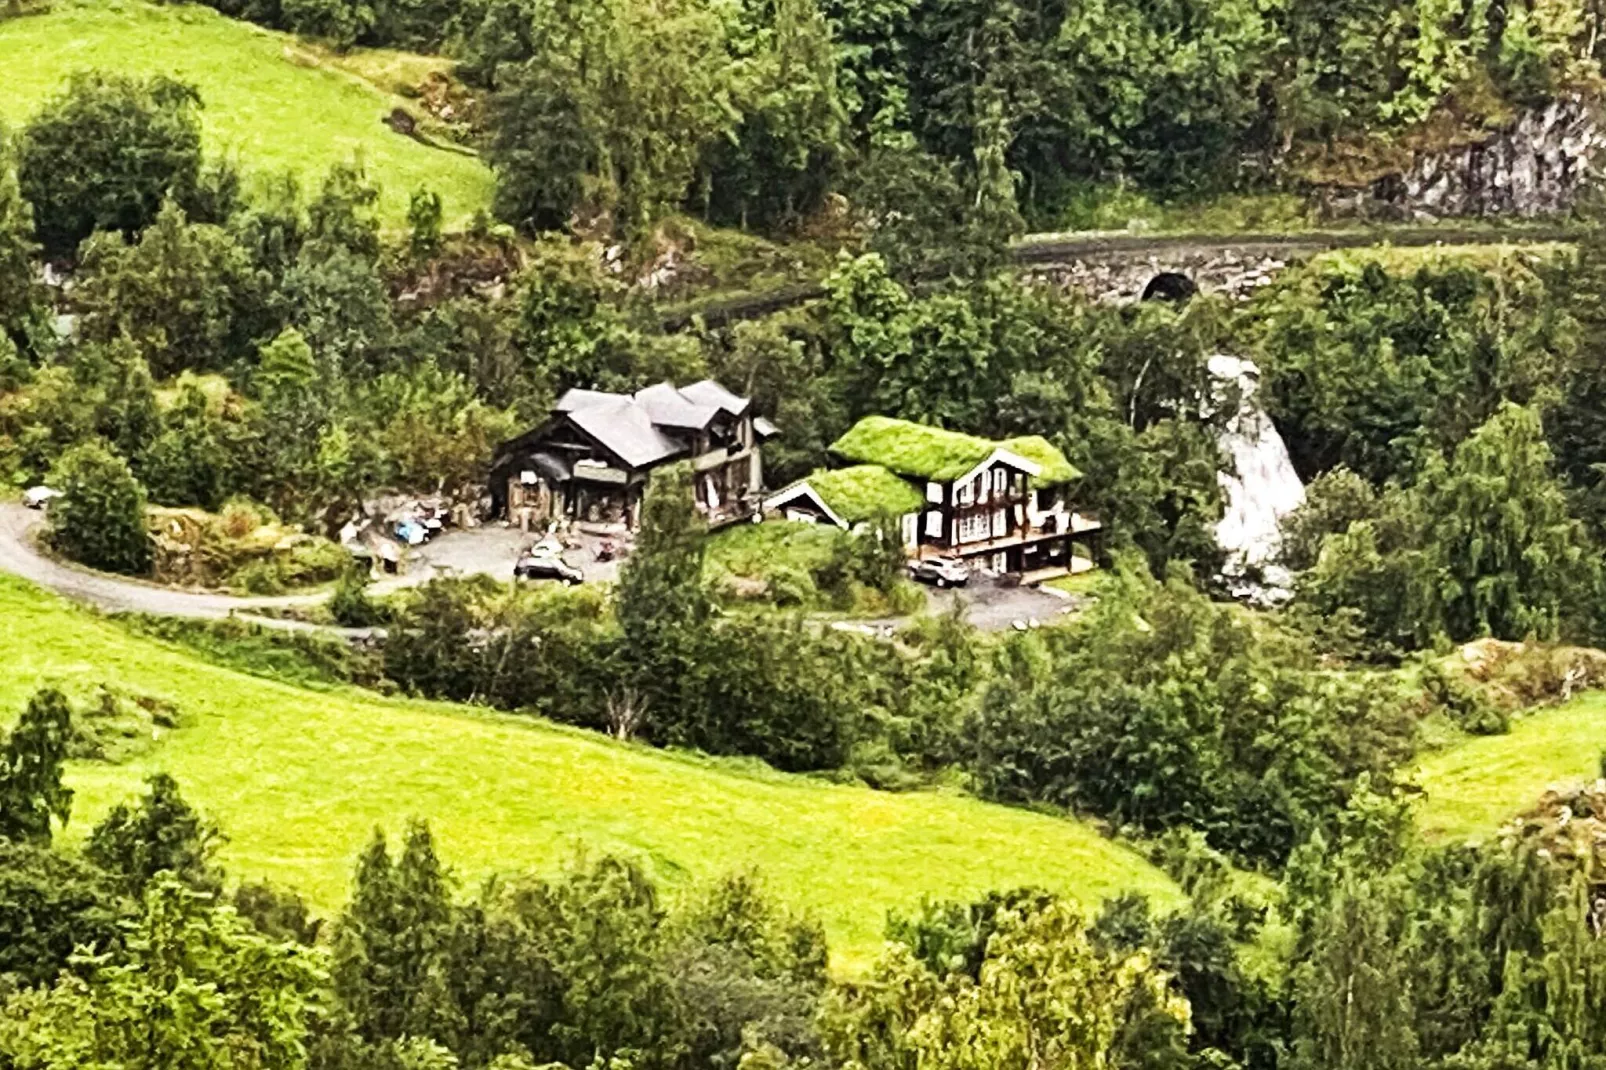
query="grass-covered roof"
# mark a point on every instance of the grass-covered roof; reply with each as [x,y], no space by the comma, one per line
[864,491]
[928,452]
[1037,449]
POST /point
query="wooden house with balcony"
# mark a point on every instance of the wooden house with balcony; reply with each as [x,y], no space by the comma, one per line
[1002,506]
[590,460]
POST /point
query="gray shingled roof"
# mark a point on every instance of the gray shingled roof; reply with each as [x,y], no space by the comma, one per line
[672,408]
[632,426]
[625,428]
[574,399]
[707,392]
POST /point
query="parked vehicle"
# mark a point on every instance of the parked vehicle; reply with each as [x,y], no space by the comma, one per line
[535,565]
[940,572]
[39,497]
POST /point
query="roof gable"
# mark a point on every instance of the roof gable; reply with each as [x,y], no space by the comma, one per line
[926,452]
[625,430]
[863,492]
[669,407]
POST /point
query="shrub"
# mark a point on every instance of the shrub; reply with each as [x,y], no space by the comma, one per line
[1467,705]
[263,577]
[790,586]
[350,605]
[100,518]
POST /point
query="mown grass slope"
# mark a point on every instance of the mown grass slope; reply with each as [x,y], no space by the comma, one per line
[1475,786]
[299,779]
[270,102]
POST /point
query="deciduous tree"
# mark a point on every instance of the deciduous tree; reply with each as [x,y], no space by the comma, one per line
[106,152]
[99,519]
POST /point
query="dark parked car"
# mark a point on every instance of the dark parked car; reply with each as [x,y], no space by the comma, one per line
[546,566]
[940,571]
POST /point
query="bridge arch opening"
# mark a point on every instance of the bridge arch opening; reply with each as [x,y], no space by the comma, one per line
[1171,286]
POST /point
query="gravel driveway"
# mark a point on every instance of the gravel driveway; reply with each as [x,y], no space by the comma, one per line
[989,605]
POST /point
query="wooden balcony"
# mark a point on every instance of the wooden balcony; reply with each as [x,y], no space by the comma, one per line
[1070,526]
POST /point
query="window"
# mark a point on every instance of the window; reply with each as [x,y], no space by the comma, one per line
[964,494]
[934,524]
[1000,479]
[934,493]
[974,528]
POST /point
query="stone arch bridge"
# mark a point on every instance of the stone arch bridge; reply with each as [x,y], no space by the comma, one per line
[1131,267]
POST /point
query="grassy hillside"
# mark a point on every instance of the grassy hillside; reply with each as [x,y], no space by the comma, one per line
[299,779]
[1475,786]
[270,102]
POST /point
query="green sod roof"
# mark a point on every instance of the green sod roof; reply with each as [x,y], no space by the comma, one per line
[864,491]
[1037,449]
[928,452]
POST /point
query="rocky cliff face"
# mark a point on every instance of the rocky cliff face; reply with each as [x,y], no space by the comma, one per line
[1537,166]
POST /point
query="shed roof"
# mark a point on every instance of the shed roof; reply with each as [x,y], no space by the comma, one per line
[864,491]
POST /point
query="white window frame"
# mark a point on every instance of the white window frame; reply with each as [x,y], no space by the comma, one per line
[975,527]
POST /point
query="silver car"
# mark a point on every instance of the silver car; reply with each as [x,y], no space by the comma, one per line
[940,571]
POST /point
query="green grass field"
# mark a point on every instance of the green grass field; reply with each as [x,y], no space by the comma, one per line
[299,779]
[271,103]
[1475,786]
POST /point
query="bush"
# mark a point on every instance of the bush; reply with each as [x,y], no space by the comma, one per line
[162,834]
[790,586]
[1467,705]
[100,518]
[350,605]
[52,906]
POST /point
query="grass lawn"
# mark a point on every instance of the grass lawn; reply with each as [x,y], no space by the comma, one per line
[1475,786]
[271,102]
[757,549]
[298,779]
[1081,583]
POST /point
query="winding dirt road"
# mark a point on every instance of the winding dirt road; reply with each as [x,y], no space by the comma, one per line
[20,556]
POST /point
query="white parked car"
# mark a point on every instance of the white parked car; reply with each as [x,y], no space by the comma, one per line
[39,497]
[940,571]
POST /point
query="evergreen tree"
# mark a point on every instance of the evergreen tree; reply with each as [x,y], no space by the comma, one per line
[31,788]
[665,609]
[21,304]
[390,966]
[1518,562]
[162,834]
[187,463]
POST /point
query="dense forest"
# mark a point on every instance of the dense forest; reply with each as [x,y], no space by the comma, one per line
[131,954]
[937,115]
